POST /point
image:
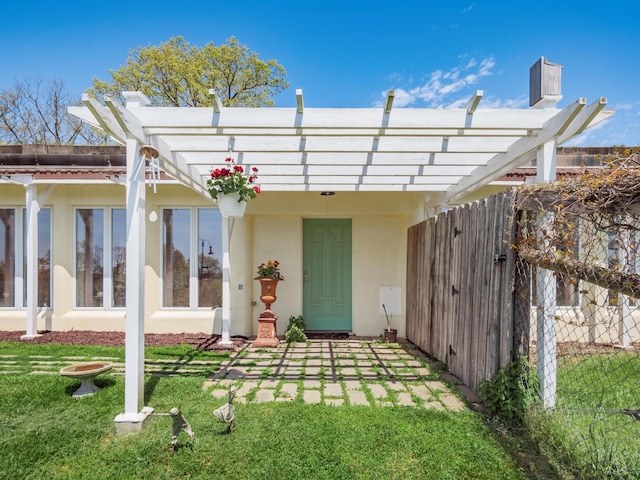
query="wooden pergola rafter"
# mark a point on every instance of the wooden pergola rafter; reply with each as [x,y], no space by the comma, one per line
[450,152]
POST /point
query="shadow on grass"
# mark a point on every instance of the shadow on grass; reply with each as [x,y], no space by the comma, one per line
[149,387]
[99,382]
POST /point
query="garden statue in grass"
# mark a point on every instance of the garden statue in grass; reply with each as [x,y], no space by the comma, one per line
[179,424]
[226,413]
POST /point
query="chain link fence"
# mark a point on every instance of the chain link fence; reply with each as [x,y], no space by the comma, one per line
[578,292]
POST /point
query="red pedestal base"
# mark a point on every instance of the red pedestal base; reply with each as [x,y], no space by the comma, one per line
[267,334]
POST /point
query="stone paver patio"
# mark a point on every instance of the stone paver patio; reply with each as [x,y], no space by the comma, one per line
[330,372]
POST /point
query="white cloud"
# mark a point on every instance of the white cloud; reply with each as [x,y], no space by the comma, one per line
[439,88]
[401,98]
[491,102]
[453,88]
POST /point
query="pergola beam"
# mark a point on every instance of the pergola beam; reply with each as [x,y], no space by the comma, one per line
[298,149]
[388,102]
[215,100]
[299,101]
[103,116]
[473,102]
[126,120]
[518,154]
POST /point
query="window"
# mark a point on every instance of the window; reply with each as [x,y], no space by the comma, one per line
[13,281]
[567,288]
[7,257]
[44,257]
[118,257]
[622,255]
[191,258]
[209,258]
[98,243]
[567,291]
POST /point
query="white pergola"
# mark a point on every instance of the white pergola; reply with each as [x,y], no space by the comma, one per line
[449,152]
[444,153]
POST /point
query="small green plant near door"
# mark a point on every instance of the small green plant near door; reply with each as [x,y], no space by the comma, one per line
[295,330]
[510,393]
[390,334]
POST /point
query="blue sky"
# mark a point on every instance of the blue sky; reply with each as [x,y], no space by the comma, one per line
[348,54]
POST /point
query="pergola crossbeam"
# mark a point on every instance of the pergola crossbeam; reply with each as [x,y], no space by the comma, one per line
[300,148]
[519,153]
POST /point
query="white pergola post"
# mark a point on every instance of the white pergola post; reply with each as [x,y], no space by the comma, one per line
[31,252]
[135,413]
[227,226]
[546,293]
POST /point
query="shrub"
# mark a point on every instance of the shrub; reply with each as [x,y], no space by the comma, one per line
[510,393]
[295,330]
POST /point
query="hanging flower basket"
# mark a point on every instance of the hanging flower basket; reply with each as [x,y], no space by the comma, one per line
[232,188]
[230,205]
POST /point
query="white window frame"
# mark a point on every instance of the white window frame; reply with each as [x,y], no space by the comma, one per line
[19,301]
[20,254]
[107,280]
[194,245]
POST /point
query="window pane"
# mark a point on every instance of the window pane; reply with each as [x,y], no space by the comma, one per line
[209,258]
[175,256]
[118,256]
[566,286]
[7,257]
[44,257]
[89,257]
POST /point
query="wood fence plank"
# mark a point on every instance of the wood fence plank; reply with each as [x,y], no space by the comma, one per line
[456,250]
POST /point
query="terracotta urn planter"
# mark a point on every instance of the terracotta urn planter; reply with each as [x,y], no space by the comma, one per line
[267,332]
[268,291]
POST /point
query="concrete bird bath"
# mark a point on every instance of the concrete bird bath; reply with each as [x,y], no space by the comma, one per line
[86,372]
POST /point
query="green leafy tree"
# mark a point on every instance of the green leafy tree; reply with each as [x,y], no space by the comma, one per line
[177,74]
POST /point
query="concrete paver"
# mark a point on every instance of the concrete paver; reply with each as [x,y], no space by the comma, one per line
[308,384]
[319,372]
[422,392]
[378,391]
[289,390]
[332,390]
[357,397]
[405,399]
[264,395]
[312,396]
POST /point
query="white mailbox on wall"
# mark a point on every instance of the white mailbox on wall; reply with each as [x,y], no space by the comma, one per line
[391,298]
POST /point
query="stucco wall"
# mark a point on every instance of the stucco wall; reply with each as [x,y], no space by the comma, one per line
[271,229]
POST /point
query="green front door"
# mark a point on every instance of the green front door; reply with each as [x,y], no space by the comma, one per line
[327,274]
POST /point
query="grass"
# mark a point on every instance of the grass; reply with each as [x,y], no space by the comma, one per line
[586,433]
[49,434]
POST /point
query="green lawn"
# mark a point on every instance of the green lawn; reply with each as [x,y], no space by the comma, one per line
[48,434]
[587,423]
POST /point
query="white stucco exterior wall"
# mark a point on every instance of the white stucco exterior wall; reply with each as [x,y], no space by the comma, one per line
[271,229]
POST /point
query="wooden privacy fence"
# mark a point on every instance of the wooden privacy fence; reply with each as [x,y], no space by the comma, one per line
[460,274]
